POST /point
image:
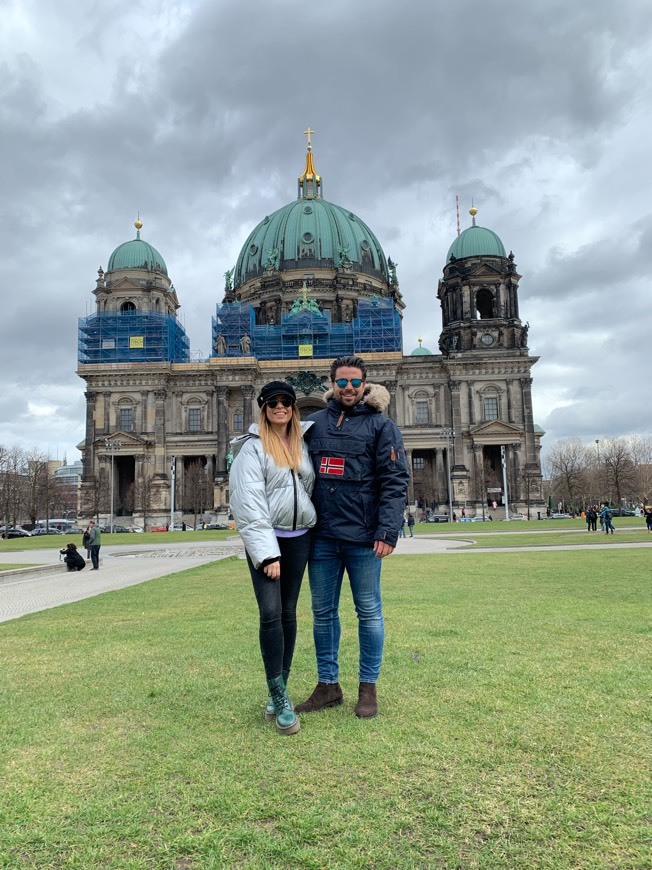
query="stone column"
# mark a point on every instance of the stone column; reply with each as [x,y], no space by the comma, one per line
[391,386]
[510,400]
[247,406]
[143,411]
[89,450]
[456,404]
[222,427]
[528,420]
[440,471]
[470,389]
[107,416]
[408,459]
[160,432]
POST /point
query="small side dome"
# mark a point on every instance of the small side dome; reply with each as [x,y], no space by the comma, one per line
[137,254]
[476,241]
[421,351]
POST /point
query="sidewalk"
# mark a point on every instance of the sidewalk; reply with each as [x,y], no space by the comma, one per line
[27,589]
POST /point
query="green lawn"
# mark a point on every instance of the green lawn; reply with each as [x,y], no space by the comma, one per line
[514,728]
[56,542]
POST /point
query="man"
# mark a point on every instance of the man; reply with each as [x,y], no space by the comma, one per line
[361,479]
[95,541]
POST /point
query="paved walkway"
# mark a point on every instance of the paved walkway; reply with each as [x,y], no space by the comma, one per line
[27,589]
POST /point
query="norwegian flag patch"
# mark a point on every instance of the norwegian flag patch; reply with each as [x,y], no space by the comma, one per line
[332,465]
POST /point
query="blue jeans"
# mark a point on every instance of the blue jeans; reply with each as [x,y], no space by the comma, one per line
[329,558]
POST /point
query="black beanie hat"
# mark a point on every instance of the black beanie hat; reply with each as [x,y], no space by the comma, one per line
[276,388]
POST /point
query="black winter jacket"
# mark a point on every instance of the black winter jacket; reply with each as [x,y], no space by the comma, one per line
[361,473]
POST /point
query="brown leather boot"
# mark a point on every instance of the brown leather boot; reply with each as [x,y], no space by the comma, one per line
[324,695]
[367,706]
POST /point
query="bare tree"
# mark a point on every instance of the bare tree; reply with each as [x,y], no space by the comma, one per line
[35,465]
[424,485]
[96,495]
[619,470]
[196,488]
[567,465]
[12,484]
[142,495]
[641,453]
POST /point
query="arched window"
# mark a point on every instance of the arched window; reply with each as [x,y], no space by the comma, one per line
[127,307]
[484,302]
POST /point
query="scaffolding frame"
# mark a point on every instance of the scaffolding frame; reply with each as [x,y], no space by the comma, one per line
[131,337]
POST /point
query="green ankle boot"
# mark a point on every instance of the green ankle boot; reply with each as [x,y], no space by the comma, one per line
[287,722]
[270,712]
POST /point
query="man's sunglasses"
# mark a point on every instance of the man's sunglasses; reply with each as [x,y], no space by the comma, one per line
[355,382]
[272,403]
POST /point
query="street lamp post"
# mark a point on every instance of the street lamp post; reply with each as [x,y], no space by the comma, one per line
[503,462]
[449,434]
[173,472]
[112,444]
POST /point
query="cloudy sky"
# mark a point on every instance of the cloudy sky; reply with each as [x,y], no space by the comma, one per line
[192,113]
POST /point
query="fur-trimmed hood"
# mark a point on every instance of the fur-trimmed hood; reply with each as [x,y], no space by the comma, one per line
[375,395]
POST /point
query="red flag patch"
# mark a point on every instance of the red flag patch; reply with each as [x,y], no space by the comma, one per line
[331,465]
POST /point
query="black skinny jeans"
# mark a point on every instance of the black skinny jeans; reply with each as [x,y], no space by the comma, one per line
[277,604]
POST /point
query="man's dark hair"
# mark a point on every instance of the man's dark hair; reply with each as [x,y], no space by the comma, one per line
[349,362]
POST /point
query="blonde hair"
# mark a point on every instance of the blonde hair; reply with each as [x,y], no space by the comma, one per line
[283,456]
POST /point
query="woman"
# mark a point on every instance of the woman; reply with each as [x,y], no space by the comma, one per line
[73,559]
[271,480]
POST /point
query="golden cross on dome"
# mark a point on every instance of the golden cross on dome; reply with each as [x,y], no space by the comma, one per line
[308,133]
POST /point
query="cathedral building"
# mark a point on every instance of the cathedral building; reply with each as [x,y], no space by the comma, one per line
[311,283]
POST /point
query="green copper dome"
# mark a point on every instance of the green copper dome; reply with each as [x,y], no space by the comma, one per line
[309,234]
[421,351]
[476,241]
[137,254]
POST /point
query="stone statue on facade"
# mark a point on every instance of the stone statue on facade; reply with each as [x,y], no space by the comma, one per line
[220,345]
[245,344]
[272,261]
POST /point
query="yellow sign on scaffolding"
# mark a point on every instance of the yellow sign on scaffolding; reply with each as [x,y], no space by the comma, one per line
[136,341]
[305,350]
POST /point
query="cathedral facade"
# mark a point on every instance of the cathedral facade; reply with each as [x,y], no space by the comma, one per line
[311,283]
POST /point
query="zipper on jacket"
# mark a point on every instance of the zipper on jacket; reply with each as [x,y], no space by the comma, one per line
[339,422]
[296,507]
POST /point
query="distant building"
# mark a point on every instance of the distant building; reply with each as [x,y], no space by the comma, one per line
[311,283]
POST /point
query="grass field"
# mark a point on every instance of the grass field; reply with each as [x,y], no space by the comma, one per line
[514,728]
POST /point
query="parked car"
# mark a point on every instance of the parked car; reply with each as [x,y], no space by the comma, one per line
[136,529]
[560,517]
[15,533]
[623,512]
[41,531]
[159,529]
[214,526]
[517,517]
[478,520]
[437,518]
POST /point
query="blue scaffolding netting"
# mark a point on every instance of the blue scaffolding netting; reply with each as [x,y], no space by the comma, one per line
[131,337]
[306,332]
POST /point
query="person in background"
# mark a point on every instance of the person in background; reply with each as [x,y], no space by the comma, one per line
[410,520]
[401,531]
[73,558]
[86,540]
[271,479]
[361,480]
[607,516]
[95,542]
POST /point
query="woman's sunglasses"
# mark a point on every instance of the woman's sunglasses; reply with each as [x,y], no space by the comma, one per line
[272,403]
[355,382]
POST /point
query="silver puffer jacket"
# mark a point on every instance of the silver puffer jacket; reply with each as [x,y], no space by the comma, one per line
[265,497]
